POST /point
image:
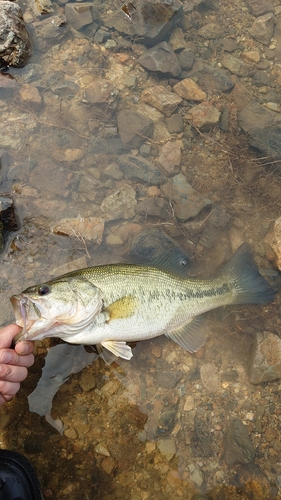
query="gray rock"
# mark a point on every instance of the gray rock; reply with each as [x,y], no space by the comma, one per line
[211,31]
[235,65]
[262,28]
[166,422]
[196,474]
[263,127]
[153,206]
[170,157]
[186,59]
[238,448]
[79,15]
[161,58]
[259,7]
[140,169]
[120,205]
[134,128]
[265,362]
[15,45]
[174,123]
[148,22]
[169,380]
[261,78]
[50,31]
[186,201]
[211,78]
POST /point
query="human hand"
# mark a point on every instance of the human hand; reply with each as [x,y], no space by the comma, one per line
[13,362]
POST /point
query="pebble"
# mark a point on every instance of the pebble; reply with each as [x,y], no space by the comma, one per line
[120,205]
[189,90]
[204,116]
[265,362]
[170,157]
[161,98]
[167,448]
[189,403]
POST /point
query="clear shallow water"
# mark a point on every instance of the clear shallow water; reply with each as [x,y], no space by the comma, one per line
[153,427]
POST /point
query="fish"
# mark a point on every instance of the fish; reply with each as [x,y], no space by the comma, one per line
[110,305]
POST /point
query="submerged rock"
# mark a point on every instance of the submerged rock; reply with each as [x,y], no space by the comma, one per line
[133,128]
[238,448]
[149,22]
[140,169]
[262,28]
[186,201]
[211,78]
[254,483]
[265,362]
[120,205]
[15,45]
[90,228]
[161,98]
[161,59]
[204,116]
[273,244]
[264,128]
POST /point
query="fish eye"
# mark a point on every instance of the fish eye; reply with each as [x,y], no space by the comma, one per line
[43,290]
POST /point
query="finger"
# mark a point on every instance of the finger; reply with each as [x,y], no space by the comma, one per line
[7,333]
[12,373]
[8,390]
[25,347]
[10,357]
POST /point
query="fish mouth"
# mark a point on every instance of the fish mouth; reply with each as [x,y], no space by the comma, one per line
[26,314]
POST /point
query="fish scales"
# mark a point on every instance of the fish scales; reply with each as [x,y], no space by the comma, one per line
[113,304]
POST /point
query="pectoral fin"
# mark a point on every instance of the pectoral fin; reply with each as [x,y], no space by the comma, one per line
[119,349]
[192,335]
[122,308]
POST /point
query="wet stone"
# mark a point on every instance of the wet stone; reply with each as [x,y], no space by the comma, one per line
[166,422]
[263,127]
[169,380]
[153,206]
[30,97]
[238,448]
[211,31]
[149,245]
[209,377]
[140,169]
[167,448]
[262,28]
[79,15]
[170,157]
[235,65]
[15,42]
[211,78]
[161,98]
[204,116]
[175,123]
[51,30]
[273,244]
[196,474]
[261,78]
[162,59]
[148,22]
[90,228]
[260,7]
[42,7]
[186,58]
[134,128]
[189,90]
[120,205]
[177,40]
[186,201]
[265,362]
[254,483]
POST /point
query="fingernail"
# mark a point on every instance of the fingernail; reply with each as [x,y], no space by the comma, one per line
[24,348]
[6,357]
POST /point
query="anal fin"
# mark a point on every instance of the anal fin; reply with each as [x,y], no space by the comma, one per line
[116,350]
[192,335]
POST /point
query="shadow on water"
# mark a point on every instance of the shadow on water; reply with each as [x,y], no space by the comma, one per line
[97,175]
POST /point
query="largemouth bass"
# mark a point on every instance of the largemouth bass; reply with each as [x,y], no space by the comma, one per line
[110,305]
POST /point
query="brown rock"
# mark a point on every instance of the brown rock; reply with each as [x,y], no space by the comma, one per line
[133,127]
[90,228]
[204,116]
[161,98]
[259,7]
[265,363]
[170,157]
[273,244]
[189,90]
[30,97]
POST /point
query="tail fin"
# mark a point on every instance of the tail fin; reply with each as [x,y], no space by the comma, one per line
[247,284]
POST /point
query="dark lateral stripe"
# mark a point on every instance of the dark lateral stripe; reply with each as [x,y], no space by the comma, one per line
[192,294]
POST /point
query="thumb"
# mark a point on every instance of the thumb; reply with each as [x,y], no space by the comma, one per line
[7,333]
